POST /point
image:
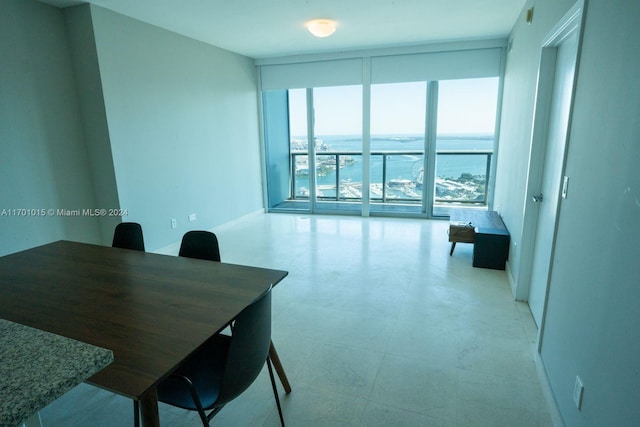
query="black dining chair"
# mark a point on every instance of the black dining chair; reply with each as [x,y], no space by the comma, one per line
[225,366]
[128,235]
[202,244]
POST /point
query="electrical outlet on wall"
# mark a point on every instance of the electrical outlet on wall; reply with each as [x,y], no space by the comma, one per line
[174,223]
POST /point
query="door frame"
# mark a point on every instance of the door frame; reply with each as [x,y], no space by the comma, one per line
[571,22]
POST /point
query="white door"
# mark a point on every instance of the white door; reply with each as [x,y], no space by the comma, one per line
[560,104]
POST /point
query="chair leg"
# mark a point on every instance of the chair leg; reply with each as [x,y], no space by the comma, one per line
[275,390]
[279,369]
[181,379]
[136,413]
[196,399]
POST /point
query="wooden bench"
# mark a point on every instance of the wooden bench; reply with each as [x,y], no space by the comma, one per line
[486,231]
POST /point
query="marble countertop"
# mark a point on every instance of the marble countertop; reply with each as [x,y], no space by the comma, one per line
[37,367]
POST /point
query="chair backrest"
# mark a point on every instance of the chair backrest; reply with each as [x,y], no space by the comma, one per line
[200,245]
[128,235]
[248,350]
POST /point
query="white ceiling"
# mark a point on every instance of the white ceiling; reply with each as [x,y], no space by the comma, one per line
[269,28]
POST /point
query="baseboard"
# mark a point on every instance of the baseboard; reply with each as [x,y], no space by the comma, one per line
[543,379]
[171,249]
[512,281]
[238,220]
[174,248]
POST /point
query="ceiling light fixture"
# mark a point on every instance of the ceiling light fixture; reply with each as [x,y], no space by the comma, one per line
[322,27]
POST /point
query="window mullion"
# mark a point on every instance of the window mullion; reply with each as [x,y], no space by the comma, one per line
[431,124]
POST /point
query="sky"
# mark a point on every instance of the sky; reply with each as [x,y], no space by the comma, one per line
[464,107]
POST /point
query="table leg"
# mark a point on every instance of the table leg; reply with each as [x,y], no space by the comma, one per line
[149,409]
[453,246]
[275,359]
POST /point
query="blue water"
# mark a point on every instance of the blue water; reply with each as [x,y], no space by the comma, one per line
[404,166]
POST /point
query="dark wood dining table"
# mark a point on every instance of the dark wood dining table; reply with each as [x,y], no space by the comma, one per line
[151,310]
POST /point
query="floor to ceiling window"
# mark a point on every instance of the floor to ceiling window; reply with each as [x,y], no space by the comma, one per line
[299,146]
[337,132]
[397,146]
[402,135]
[465,142]
[326,175]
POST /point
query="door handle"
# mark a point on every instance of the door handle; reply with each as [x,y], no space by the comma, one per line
[537,199]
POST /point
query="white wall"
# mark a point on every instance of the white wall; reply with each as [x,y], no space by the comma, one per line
[103,111]
[592,326]
[517,118]
[43,160]
[81,39]
[183,123]
[593,321]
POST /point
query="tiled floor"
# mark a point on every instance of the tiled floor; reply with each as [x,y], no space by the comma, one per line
[376,325]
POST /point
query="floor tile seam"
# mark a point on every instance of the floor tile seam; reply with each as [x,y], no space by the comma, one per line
[363,342]
[496,345]
[505,381]
[460,401]
[404,328]
[436,328]
[361,347]
[425,412]
[418,361]
[397,408]
[530,382]
[387,337]
[348,347]
[494,321]
[377,375]
[331,394]
[439,361]
[345,313]
[520,410]
[469,334]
